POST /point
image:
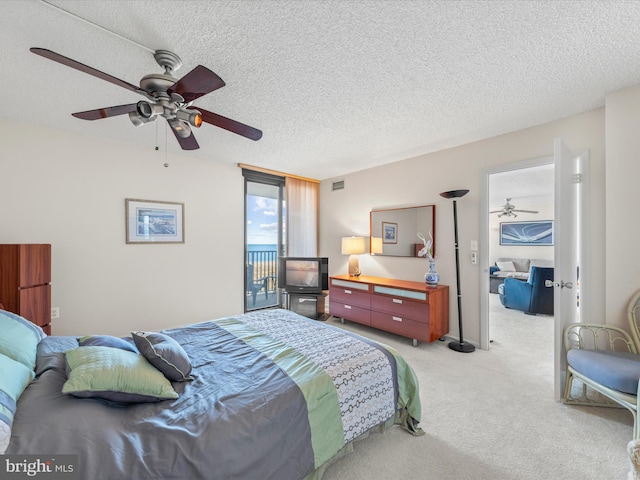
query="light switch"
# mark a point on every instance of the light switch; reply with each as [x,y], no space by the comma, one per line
[474,245]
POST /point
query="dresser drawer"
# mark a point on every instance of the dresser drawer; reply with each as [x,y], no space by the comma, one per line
[401,307]
[401,326]
[350,312]
[350,296]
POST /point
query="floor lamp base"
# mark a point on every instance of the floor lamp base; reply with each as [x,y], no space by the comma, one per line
[463,347]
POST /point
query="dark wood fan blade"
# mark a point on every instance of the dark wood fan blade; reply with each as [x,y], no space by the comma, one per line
[189,143]
[105,112]
[56,57]
[196,83]
[231,125]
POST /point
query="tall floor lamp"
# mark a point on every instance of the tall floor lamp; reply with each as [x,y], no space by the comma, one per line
[460,346]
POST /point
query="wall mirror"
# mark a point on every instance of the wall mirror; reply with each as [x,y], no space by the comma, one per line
[394,231]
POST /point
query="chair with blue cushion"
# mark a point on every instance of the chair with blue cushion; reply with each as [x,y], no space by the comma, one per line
[532,296]
[605,360]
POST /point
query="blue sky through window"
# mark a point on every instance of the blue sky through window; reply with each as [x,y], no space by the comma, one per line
[262,220]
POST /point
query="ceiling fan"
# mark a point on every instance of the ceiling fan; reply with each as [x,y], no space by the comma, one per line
[167,97]
[508,210]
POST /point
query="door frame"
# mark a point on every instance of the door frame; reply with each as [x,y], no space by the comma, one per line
[484,235]
[585,284]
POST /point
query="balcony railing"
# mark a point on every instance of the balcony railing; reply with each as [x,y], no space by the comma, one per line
[265,266]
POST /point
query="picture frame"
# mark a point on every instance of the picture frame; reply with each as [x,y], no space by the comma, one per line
[538,233]
[389,232]
[154,221]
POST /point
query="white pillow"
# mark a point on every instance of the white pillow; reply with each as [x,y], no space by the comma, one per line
[506,266]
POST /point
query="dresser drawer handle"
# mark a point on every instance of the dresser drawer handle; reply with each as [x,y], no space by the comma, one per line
[347,292]
[397,300]
[348,307]
[397,319]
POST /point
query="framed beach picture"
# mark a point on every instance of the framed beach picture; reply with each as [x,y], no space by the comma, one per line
[150,221]
[389,232]
[526,233]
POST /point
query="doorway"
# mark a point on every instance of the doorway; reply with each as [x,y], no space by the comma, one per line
[571,179]
[522,187]
[265,206]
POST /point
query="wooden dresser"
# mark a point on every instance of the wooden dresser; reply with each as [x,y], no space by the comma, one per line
[25,282]
[410,309]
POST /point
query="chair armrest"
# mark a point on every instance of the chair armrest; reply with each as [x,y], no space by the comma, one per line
[516,294]
[595,336]
[517,286]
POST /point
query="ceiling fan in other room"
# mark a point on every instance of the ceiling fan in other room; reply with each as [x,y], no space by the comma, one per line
[167,97]
[508,210]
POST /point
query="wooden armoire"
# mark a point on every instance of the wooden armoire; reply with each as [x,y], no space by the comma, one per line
[25,282]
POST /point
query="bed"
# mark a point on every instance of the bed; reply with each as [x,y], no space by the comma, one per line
[267,394]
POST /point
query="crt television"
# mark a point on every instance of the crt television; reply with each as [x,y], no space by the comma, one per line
[303,274]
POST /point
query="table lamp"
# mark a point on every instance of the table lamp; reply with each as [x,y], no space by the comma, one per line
[353,246]
[376,245]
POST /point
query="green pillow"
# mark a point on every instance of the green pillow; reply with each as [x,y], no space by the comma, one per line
[116,375]
[19,338]
[14,378]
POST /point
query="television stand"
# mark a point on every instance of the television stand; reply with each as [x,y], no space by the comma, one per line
[309,305]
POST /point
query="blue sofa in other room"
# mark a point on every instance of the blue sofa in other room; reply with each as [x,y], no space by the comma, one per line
[531,296]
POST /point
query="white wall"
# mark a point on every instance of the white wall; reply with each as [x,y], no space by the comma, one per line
[70,191]
[419,181]
[623,194]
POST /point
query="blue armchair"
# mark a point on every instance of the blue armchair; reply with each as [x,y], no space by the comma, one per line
[531,296]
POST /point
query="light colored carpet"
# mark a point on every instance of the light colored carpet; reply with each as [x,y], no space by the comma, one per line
[491,415]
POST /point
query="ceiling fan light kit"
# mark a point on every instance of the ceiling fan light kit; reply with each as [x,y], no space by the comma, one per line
[168,97]
[508,210]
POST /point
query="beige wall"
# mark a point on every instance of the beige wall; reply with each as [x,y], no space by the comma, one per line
[70,191]
[623,197]
[419,181]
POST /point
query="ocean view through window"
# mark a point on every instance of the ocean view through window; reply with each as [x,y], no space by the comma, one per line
[264,239]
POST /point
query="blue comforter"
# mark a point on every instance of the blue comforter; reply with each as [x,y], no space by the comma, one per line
[275,396]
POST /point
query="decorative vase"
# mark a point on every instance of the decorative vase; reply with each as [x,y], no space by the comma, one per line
[431,277]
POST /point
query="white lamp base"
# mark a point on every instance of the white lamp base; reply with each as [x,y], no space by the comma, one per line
[354,266]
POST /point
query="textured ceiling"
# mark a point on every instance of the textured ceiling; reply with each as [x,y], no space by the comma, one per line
[336,86]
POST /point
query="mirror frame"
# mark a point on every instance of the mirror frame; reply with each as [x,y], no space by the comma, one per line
[390,220]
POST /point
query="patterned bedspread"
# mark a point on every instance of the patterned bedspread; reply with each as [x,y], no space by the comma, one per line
[362,374]
[274,393]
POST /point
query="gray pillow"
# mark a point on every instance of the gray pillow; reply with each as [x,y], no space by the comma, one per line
[106,341]
[164,353]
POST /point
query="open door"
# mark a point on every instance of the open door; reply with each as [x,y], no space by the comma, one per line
[569,244]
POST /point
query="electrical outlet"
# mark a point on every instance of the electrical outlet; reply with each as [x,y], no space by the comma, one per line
[55,313]
[474,258]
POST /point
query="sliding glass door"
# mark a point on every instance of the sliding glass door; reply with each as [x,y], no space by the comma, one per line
[264,238]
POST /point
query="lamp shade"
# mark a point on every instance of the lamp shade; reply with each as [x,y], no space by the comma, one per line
[376,245]
[454,193]
[353,245]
